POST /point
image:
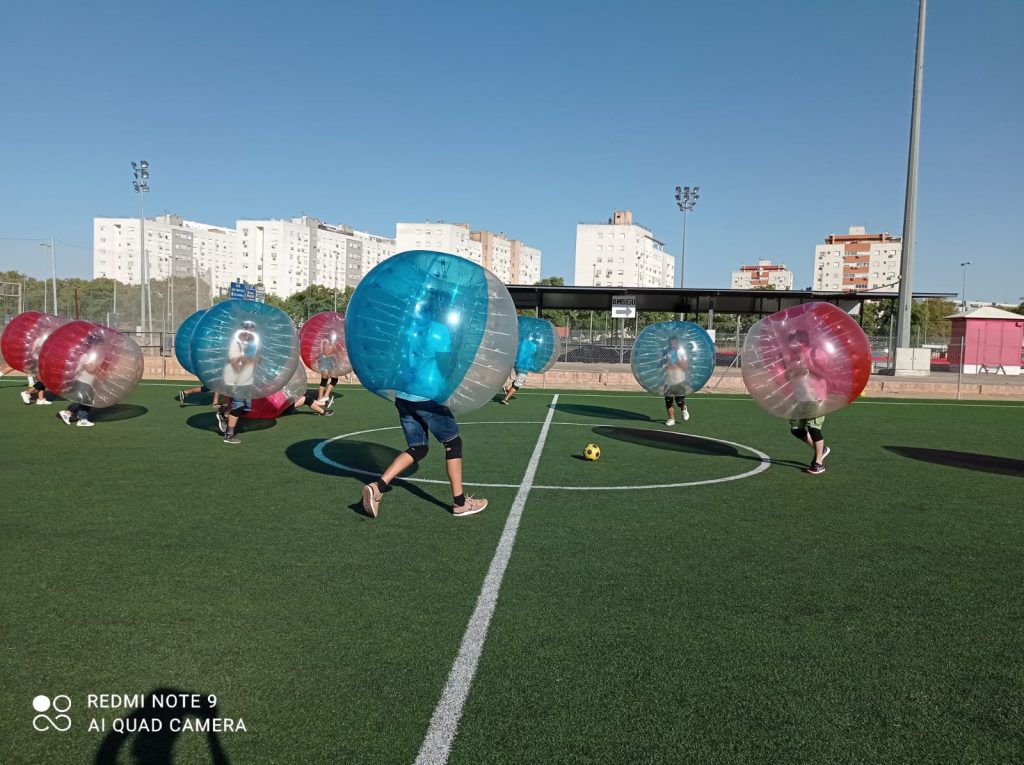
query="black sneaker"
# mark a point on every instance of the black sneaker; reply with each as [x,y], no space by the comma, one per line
[181,397]
[232,439]
[327,413]
[222,422]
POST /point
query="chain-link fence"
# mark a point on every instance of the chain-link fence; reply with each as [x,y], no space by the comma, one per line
[599,341]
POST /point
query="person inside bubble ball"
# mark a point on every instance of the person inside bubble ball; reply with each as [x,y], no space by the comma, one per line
[240,372]
[676,363]
[314,403]
[806,370]
[518,381]
[326,362]
[83,383]
[431,360]
[243,356]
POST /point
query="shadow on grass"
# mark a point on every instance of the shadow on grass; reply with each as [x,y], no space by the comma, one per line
[363,460]
[667,439]
[118,412]
[208,421]
[685,443]
[984,463]
[156,747]
[601,412]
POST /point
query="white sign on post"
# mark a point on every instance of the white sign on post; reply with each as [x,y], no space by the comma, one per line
[624,307]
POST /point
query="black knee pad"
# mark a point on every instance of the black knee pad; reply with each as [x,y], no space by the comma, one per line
[38,385]
[334,381]
[668,401]
[323,382]
[800,433]
[453,449]
[681,400]
[815,434]
[417,452]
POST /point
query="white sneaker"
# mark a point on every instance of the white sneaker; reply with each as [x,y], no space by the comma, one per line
[43,402]
[65,415]
[25,397]
[827,452]
[670,423]
[84,423]
[686,414]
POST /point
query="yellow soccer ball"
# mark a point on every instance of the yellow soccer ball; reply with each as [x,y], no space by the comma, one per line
[592,452]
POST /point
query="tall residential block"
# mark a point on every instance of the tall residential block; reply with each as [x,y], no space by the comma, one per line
[763,276]
[510,260]
[858,261]
[621,253]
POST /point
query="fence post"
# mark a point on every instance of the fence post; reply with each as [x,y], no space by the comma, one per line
[960,369]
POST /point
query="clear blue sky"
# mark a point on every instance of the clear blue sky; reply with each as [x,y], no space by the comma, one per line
[524,117]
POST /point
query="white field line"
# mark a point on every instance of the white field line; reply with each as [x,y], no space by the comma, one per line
[444,724]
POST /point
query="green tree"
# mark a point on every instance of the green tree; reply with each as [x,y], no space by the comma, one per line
[315,299]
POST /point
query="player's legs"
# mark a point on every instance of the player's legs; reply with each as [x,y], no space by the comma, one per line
[510,392]
[681,403]
[236,412]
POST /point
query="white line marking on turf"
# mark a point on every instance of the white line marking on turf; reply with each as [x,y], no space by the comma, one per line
[764,464]
[437,744]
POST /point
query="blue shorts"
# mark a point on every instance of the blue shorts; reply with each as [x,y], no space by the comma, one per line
[420,417]
[240,408]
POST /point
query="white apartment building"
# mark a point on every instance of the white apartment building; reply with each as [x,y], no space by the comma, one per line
[295,253]
[858,261]
[441,237]
[374,250]
[525,263]
[286,256]
[171,242]
[621,253]
[763,276]
[510,260]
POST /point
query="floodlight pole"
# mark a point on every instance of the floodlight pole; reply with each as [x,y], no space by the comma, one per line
[963,289]
[686,198]
[140,172]
[903,311]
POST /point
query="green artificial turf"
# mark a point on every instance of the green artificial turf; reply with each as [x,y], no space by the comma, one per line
[870,614]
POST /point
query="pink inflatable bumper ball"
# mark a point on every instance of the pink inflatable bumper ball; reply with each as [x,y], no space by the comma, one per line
[23,338]
[322,344]
[90,364]
[806,361]
[273,406]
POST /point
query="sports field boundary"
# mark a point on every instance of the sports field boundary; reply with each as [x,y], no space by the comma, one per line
[444,724]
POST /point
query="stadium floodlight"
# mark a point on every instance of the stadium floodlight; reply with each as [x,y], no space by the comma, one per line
[140,173]
[963,288]
[686,198]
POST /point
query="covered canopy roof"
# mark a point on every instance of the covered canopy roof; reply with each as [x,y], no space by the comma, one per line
[987,312]
[688,300]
